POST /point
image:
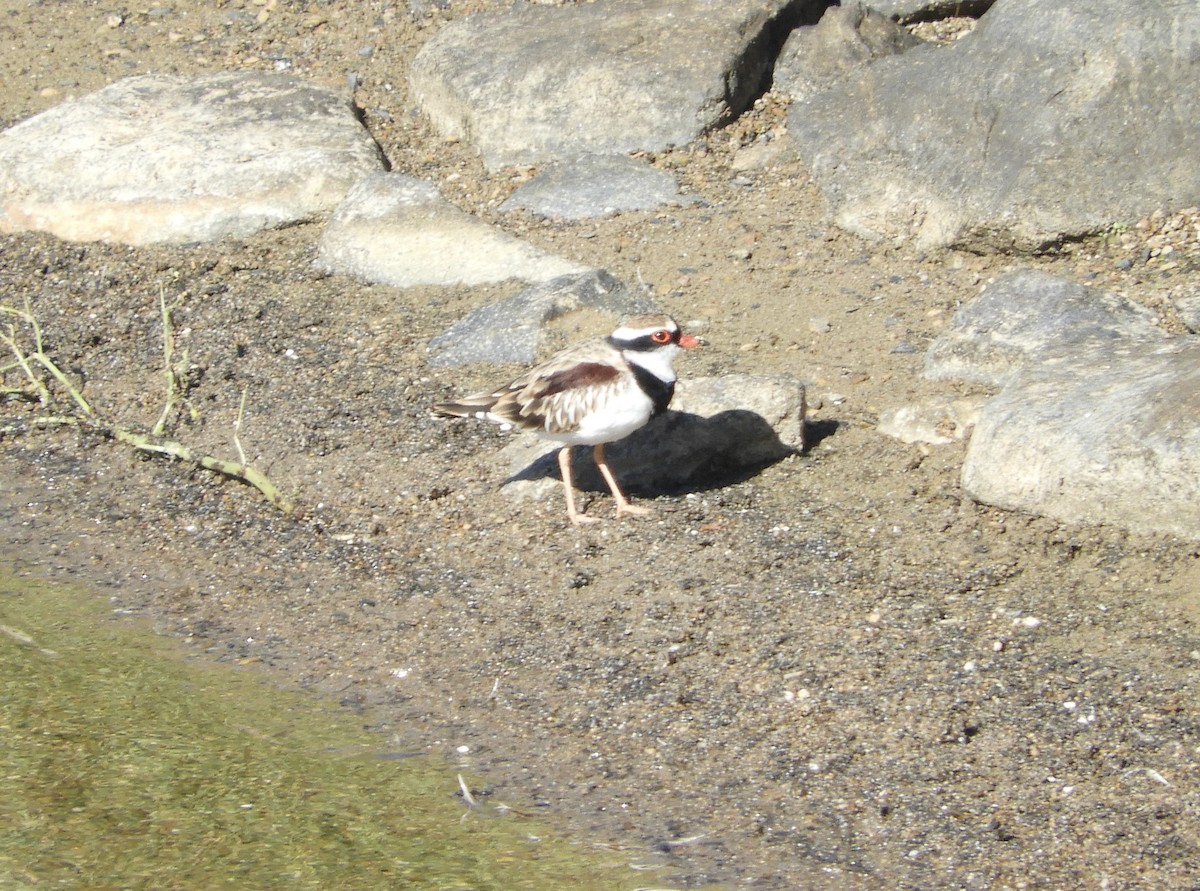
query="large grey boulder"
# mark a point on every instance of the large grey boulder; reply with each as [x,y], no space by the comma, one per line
[1107,435]
[538,83]
[398,230]
[1025,316]
[846,38]
[1049,120]
[1189,311]
[926,10]
[159,158]
[1096,418]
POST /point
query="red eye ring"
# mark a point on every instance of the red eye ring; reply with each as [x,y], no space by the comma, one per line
[661,336]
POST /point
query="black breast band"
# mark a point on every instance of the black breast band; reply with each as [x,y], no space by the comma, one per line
[659,391]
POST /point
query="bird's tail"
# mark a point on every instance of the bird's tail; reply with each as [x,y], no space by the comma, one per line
[468,408]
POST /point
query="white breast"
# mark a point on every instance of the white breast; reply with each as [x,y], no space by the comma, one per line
[623,409]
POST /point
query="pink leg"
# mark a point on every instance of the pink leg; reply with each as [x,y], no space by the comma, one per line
[564,465]
[623,505]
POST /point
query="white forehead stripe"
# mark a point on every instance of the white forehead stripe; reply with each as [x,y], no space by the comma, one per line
[627,333]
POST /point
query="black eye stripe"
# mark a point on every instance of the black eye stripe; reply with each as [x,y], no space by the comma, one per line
[644,343]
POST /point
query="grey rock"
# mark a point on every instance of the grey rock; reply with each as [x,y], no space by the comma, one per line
[845,38]
[937,422]
[1189,310]
[397,230]
[779,399]
[927,10]
[596,186]
[1048,120]
[543,83]
[763,154]
[718,430]
[1107,435]
[159,158]
[513,330]
[1096,419]
[1029,315]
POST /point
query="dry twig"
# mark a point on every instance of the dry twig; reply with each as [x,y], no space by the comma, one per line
[36,364]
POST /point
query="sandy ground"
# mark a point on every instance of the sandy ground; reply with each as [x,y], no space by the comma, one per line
[837,674]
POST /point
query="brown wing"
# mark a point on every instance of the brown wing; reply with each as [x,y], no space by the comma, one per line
[551,397]
[584,374]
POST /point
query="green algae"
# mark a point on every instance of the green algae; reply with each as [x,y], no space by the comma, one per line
[123,765]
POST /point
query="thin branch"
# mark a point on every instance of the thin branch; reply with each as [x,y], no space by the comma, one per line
[43,393]
[39,356]
[153,442]
[175,449]
[174,390]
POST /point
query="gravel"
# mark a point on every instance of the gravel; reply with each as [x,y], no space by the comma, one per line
[839,673]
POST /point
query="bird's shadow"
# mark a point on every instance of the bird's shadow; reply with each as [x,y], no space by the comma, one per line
[676,453]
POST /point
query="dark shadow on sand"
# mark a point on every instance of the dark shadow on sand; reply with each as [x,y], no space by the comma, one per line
[677,453]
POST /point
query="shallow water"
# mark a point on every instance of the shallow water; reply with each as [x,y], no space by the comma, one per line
[125,765]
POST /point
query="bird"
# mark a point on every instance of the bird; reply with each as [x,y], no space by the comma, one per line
[593,392]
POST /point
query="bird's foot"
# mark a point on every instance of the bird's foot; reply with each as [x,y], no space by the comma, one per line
[625,509]
[579,519]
